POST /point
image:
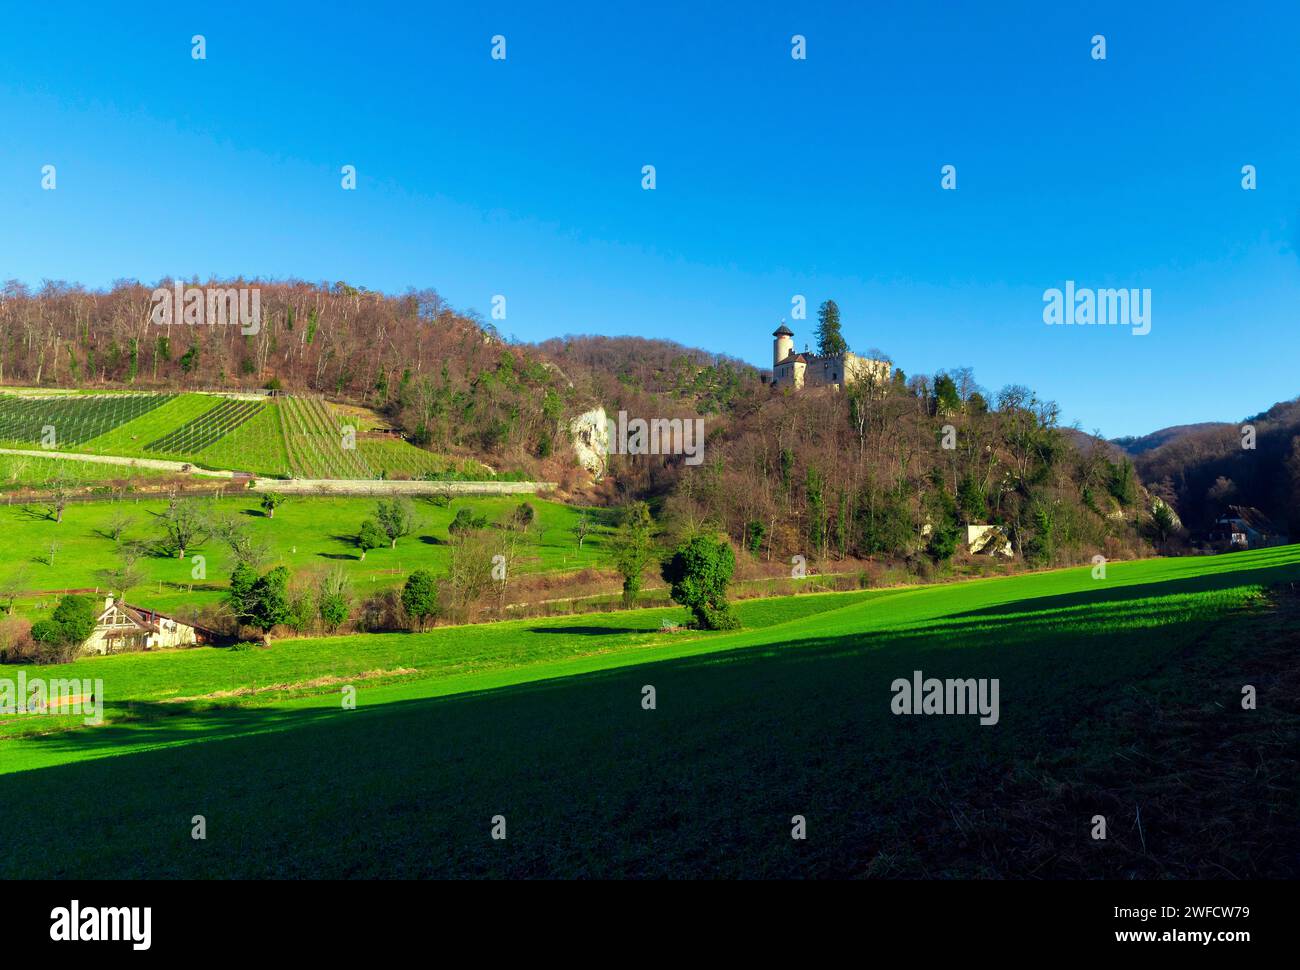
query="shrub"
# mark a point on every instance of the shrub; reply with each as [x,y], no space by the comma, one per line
[466,521]
[72,621]
[381,612]
[420,597]
[945,533]
[239,598]
[524,516]
[697,574]
[334,599]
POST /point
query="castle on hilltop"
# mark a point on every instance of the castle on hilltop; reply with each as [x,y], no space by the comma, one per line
[790,369]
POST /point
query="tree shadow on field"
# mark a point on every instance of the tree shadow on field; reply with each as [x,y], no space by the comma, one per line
[595,785]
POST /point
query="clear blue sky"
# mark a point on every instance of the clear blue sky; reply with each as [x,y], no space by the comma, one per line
[775,176]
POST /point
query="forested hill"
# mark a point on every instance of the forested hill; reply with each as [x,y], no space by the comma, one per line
[617,366]
[1201,469]
[445,378]
[855,473]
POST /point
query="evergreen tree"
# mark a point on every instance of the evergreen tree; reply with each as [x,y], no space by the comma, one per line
[240,597]
[829,340]
[420,597]
[72,622]
[269,604]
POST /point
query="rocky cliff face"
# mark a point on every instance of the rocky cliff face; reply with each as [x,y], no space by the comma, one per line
[590,434]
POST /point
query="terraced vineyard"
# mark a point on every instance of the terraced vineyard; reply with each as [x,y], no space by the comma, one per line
[74,418]
[279,436]
[130,439]
[256,446]
[313,440]
[208,428]
[396,458]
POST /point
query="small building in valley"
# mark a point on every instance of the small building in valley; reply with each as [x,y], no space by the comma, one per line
[122,628]
[1242,527]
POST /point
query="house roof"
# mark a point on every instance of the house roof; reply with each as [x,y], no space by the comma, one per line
[137,617]
[146,619]
[1251,518]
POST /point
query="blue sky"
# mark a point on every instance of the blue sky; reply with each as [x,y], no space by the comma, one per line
[775,177]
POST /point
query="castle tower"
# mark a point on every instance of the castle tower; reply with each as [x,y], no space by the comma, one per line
[783,346]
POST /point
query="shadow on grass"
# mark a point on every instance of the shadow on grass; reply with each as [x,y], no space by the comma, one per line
[595,784]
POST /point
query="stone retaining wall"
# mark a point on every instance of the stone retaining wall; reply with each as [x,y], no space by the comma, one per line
[332,486]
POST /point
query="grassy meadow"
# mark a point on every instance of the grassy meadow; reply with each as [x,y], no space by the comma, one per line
[28,471]
[1118,696]
[307,533]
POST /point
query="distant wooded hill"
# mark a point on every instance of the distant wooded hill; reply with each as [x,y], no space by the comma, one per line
[839,474]
[447,379]
[1201,469]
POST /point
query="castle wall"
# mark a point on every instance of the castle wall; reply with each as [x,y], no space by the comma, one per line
[816,371]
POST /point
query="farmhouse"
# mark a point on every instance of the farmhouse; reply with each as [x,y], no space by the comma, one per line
[1242,527]
[121,628]
[790,369]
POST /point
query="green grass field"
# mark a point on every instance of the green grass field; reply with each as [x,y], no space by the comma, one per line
[1117,695]
[307,533]
[25,471]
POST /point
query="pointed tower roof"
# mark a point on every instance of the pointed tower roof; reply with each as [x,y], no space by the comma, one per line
[783,330]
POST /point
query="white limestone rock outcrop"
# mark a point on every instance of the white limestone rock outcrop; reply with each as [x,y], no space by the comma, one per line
[590,434]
